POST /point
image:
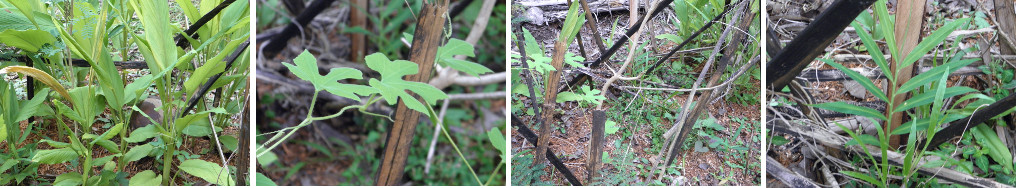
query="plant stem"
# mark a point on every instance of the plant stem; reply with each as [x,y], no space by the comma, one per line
[464,160]
[491,178]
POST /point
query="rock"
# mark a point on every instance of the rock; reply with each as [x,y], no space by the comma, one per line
[535,16]
[148,106]
[855,89]
[703,166]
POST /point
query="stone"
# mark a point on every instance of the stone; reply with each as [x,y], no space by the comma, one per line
[855,89]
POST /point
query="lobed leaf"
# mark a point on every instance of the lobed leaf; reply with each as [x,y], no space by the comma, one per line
[392,87]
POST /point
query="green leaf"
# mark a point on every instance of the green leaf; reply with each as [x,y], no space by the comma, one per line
[138,152]
[862,176]
[987,138]
[933,74]
[7,165]
[68,179]
[12,19]
[671,37]
[142,134]
[932,41]
[572,23]
[154,17]
[928,97]
[200,128]
[610,127]
[874,51]
[498,140]
[392,87]
[211,67]
[211,172]
[568,96]
[863,80]
[145,178]
[3,128]
[446,57]
[863,138]
[29,40]
[306,68]
[109,145]
[55,156]
[778,140]
[229,142]
[263,180]
[843,107]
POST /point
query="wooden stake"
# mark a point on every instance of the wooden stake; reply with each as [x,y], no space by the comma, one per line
[424,51]
[909,19]
[358,17]
[595,146]
[549,98]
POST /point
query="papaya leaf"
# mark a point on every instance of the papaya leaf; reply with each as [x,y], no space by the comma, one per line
[392,87]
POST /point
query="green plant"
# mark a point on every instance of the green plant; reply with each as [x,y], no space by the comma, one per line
[389,87]
[525,172]
[928,89]
[52,33]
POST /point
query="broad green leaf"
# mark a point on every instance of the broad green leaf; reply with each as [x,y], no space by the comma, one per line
[268,158]
[142,134]
[672,37]
[109,145]
[102,160]
[68,179]
[446,56]
[113,131]
[998,151]
[229,142]
[55,156]
[498,140]
[13,19]
[183,125]
[610,128]
[843,107]
[145,178]
[263,180]
[158,33]
[306,68]
[392,87]
[928,97]
[533,48]
[200,129]
[7,165]
[211,172]
[3,128]
[28,40]
[55,144]
[568,96]
[138,152]
[29,108]
[863,80]
[932,41]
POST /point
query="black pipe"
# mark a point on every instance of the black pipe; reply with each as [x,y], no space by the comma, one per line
[529,135]
[789,62]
